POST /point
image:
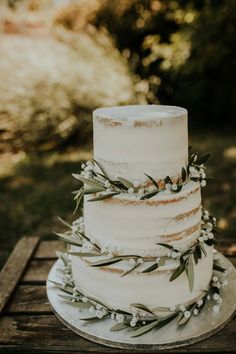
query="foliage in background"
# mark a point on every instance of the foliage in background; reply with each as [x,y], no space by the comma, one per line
[183,51]
[52,77]
[61,59]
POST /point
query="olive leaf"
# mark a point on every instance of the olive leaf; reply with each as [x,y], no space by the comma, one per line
[125,182]
[118,327]
[144,329]
[151,268]
[211,242]
[89,182]
[178,270]
[64,222]
[183,174]
[81,305]
[195,256]
[198,251]
[68,239]
[79,196]
[62,256]
[131,269]
[106,262]
[165,245]
[161,309]
[92,318]
[149,195]
[93,190]
[217,267]
[202,159]
[186,253]
[67,289]
[189,265]
[166,320]
[152,180]
[100,167]
[202,249]
[84,254]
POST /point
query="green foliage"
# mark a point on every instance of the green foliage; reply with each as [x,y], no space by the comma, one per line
[183,51]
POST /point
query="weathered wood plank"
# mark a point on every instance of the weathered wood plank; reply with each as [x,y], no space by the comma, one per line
[29,299]
[47,333]
[47,249]
[37,271]
[14,268]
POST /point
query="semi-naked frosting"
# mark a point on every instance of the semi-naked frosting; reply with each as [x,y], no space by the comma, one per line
[130,141]
[127,224]
[152,289]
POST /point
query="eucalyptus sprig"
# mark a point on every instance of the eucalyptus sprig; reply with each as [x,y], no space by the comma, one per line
[96,181]
[140,319]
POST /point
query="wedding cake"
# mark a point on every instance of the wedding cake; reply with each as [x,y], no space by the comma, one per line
[143,243]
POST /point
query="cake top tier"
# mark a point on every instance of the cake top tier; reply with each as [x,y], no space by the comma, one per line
[131,141]
[141,113]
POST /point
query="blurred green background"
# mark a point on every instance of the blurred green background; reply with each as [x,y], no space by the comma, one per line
[62,59]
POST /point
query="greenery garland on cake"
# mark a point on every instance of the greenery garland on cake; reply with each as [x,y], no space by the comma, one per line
[185,260]
[100,183]
[141,319]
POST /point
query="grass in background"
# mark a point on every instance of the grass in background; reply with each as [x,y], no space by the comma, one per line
[35,190]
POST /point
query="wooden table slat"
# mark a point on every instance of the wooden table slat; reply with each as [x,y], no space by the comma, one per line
[47,249]
[29,299]
[47,332]
[14,267]
[37,273]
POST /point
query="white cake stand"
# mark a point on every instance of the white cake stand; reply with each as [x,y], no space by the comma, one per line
[198,328]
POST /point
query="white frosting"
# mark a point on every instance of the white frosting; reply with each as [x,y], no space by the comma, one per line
[152,289]
[132,140]
[138,227]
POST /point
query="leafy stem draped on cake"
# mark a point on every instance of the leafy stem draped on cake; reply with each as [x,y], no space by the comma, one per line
[140,319]
[185,260]
[99,183]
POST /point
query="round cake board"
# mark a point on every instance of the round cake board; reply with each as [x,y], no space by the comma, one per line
[198,327]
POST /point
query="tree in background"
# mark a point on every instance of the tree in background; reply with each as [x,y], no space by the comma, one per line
[182,51]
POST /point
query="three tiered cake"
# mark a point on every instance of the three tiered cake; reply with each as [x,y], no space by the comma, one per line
[142,253]
[129,142]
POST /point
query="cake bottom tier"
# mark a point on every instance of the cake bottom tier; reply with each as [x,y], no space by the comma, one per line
[151,289]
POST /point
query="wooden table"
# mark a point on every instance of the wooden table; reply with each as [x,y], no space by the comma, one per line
[28,325]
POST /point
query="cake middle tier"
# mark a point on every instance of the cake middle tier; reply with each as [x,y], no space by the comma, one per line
[127,225]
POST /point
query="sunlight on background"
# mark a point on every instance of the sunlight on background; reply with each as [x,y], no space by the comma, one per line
[62,59]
